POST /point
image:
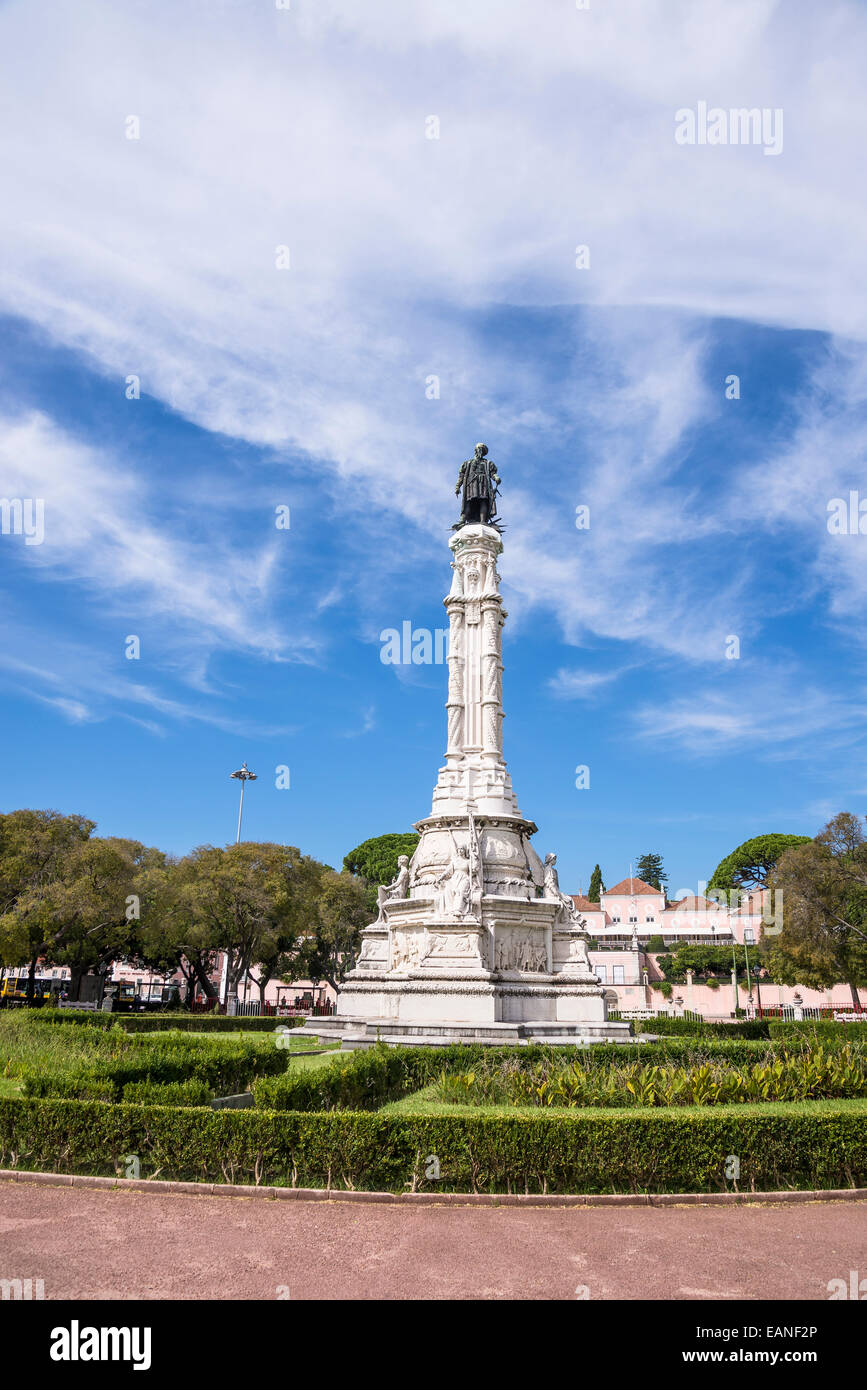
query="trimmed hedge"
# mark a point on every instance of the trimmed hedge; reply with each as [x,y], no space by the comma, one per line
[202,1023]
[826,1028]
[819,1029]
[703,1028]
[684,1151]
[224,1067]
[160,1023]
[166,1093]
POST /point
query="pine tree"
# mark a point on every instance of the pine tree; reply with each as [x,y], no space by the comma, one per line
[597,887]
[649,869]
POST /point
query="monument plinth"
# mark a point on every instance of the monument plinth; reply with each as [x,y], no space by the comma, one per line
[474,941]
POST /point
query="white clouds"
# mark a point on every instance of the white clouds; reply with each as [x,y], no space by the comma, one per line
[74,710]
[770,709]
[100,529]
[306,127]
[100,694]
[825,457]
[580,685]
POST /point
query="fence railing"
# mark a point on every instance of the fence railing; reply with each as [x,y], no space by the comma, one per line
[791,1013]
[625,1015]
[251,1008]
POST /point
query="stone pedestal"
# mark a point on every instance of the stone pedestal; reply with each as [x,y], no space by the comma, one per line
[475,941]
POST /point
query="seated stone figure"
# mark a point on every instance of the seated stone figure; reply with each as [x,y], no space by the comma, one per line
[568,914]
[398,888]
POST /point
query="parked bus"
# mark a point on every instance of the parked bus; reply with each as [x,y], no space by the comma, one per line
[13,989]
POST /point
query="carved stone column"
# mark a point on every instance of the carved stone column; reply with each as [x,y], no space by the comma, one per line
[455,702]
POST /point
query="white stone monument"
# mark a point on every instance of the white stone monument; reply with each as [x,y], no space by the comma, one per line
[474,940]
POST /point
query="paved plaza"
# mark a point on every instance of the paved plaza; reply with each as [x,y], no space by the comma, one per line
[116,1244]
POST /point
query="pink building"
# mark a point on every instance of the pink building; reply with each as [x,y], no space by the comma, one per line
[635,908]
[633,912]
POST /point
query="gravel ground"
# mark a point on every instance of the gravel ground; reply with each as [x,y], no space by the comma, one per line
[89,1244]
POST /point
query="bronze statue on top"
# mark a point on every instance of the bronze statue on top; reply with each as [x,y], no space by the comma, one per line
[480,482]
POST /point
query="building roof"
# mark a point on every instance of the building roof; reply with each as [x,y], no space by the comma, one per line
[630,886]
[691,903]
[584,904]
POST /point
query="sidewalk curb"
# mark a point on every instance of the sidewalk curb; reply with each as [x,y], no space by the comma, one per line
[456,1199]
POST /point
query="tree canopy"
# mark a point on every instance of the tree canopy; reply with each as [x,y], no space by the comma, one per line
[66,894]
[824,888]
[597,887]
[375,860]
[342,910]
[256,901]
[752,864]
[649,869]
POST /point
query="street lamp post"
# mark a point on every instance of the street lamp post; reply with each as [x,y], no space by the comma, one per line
[756,974]
[243,775]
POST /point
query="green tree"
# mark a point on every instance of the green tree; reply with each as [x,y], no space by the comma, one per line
[649,869]
[173,936]
[597,887]
[242,900]
[376,860]
[824,888]
[342,910]
[752,864]
[87,916]
[283,951]
[34,851]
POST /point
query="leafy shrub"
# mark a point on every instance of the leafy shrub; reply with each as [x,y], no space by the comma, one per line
[166,1093]
[115,1060]
[161,1023]
[816,1028]
[806,1075]
[702,1028]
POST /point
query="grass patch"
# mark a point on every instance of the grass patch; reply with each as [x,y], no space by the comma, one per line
[312,1060]
[426,1103]
[46,1060]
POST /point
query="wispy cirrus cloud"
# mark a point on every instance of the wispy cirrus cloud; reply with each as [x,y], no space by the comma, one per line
[766,709]
[303,128]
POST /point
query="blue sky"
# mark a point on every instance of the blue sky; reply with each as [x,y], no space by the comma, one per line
[306,387]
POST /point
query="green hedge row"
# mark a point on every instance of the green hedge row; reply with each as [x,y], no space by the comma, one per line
[222,1067]
[747,1028]
[203,1023]
[161,1023]
[822,1029]
[685,1151]
[702,1028]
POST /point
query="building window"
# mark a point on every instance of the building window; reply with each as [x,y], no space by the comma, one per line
[749,936]
[650,919]
[601,972]
[618,975]
[633,919]
[616,917]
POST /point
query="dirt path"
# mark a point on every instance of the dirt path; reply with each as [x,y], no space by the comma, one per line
[121,1244]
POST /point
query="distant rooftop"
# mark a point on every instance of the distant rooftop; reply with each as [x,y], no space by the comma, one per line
[632,885]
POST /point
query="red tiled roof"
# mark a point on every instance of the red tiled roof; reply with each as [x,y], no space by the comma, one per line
[584,904]
[631,885]
[692,904]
